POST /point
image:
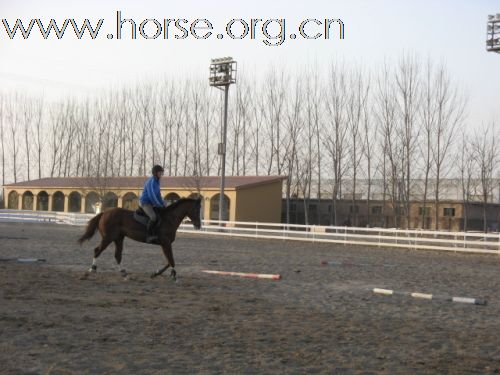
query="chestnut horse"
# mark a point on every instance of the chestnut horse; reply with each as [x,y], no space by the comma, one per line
[116,224]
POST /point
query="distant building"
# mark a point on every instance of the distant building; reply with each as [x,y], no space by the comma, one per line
[449,189]
[247,198]
[451,214]
[451,209]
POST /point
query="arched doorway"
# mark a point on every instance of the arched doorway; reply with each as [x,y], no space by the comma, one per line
[171,198]
[58,201]
[13,200]
[42,201]
[110,201]
[91,199]
[214,207]
[28,200]
[130,201]
[75,202]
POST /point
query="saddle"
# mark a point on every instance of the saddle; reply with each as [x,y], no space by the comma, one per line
[141,217]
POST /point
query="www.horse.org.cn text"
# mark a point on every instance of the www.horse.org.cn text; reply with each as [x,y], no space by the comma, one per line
[272,32]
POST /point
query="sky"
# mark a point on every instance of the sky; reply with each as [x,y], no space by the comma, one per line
[452,32]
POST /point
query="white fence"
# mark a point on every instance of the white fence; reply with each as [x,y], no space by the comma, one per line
[471,242]
[44,216]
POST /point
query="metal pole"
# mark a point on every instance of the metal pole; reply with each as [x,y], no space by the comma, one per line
[223,154]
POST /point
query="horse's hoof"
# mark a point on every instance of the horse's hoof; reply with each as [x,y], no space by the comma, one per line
[173,275]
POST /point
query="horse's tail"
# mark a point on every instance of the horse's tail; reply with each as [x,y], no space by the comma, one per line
[91,228]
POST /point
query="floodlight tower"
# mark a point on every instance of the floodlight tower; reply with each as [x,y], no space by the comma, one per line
[493,33]
[222,75]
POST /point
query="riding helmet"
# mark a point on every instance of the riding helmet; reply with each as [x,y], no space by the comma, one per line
[157,168]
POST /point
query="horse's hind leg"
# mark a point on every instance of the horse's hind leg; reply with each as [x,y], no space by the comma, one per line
[97,251]
[118,256]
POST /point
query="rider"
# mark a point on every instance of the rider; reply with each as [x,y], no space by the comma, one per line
[150,198]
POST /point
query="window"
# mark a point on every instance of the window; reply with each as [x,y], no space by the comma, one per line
[424,211]
[449,211]
[353,209]
[376,210]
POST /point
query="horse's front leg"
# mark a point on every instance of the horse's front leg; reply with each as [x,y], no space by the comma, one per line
[167,252]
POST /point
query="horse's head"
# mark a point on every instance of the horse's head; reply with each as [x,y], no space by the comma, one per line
[194,213]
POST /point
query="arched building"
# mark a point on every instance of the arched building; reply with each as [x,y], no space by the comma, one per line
[247,198]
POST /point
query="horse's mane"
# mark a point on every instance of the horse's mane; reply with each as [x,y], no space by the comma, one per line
[177,203]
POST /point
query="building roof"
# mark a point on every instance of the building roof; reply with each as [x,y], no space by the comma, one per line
[167,182]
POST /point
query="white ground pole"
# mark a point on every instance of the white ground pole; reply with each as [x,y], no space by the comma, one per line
[23,260]
[389,292]
[244,274]
[344,263]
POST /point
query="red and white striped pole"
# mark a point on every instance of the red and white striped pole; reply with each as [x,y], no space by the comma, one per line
[245,275]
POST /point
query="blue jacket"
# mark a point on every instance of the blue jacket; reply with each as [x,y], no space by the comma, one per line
[151,193]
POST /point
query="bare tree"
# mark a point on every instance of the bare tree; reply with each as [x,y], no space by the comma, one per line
[314,106]
[293,123]
[428,118]
[39,140]
[337,131]
[486,155]
[370,130]
[357,101]
[466,169]
[386,115]
[26,119]
[273,107]
[13,120]
[450,109]
[409,95]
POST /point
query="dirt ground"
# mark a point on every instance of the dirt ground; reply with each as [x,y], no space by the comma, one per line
[317,319]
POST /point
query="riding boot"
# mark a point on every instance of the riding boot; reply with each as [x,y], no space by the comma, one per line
[150,234]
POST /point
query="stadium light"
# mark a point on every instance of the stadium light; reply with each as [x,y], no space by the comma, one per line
[493,33]
[223,74]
